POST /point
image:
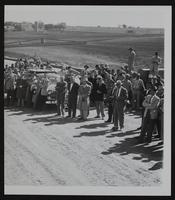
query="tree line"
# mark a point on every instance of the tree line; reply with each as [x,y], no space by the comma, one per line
[18,26]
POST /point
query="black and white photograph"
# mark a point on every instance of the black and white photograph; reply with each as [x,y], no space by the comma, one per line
[87,100]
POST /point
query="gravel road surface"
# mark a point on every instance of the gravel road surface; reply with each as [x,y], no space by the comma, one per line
[41,149]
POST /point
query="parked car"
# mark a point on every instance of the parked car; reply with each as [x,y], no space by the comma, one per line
[144,74]
[53,78]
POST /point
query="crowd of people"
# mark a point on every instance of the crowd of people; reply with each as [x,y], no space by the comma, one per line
[121,91]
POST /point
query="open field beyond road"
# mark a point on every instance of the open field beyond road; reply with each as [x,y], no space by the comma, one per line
[80,48]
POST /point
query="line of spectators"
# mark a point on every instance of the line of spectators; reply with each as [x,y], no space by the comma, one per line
[120,91]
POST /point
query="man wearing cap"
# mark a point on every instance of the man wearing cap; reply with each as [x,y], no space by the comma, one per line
[131,59]
[120,96]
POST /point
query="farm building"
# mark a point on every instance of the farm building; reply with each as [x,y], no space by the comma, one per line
[9,28]
[26,26]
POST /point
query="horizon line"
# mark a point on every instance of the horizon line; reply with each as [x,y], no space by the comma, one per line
[94,26]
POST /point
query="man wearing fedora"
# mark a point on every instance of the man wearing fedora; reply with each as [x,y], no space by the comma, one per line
[72,97]
[120,96]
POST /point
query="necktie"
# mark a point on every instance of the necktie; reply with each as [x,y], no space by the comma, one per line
[117,92]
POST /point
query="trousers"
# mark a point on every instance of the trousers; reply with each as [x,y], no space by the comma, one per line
[100,108]
[110,111]
[118,115]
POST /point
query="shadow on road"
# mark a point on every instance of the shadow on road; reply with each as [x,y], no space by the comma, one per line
[48,120]
[127,145]
[54,120]
[146,153]
[92,133]
[93,126]
[122,134]
[51,120]
[29,111]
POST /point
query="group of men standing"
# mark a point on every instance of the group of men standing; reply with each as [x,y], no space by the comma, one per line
[98,87]
[91,90]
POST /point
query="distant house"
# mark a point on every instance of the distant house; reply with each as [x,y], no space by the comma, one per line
[26,26]
[9,28]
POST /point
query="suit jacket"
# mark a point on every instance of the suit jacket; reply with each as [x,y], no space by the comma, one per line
[83,93]
[152,105]
[122,96]
[73,92]
[103,91]
[61,89]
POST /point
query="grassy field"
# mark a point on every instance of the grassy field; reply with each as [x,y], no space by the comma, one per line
[78,48]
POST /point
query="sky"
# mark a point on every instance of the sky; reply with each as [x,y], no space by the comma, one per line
[109,16]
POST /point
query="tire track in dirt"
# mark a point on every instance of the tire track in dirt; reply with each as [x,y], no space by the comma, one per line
[58,154]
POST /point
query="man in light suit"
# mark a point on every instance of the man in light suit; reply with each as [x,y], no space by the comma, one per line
[120,96]
[83,101]
[151,104]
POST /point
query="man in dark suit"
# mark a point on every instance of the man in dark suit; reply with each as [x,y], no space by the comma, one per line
[120,96]
[99,93]
[72,97]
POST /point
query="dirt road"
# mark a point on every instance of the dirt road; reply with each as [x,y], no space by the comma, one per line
[41,149]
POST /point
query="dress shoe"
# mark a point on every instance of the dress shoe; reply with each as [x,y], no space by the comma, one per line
[121,127]
[157,136]
[114,129]
[97,116]
[139,128]
[108,121]
[148,141]
[79,119]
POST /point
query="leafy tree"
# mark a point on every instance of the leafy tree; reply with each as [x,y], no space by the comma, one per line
[49,26]
[8,23]
[61,27]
